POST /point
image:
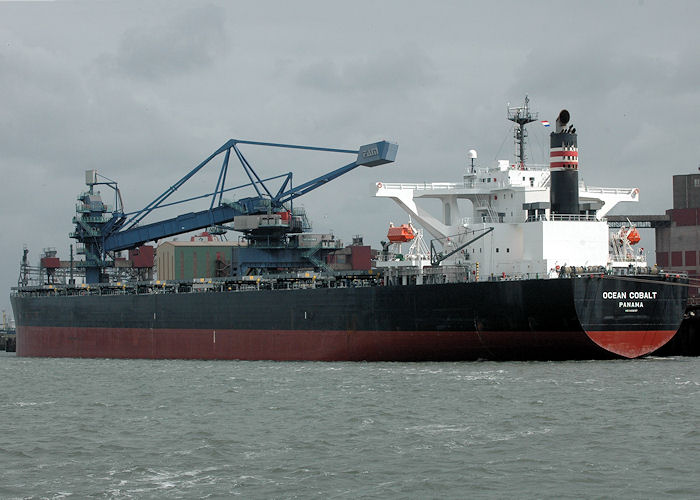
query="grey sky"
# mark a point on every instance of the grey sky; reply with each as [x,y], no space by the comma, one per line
[143,91]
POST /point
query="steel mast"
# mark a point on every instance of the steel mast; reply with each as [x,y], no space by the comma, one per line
[521,115]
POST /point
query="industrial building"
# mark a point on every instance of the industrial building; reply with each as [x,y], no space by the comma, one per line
[677,243]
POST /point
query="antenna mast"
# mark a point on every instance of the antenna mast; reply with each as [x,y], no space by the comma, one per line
[521,115]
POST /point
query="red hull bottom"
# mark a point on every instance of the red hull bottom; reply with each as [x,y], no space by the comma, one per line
[314,345]
[631,344]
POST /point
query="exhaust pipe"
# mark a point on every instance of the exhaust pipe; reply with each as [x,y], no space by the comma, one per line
[562,120]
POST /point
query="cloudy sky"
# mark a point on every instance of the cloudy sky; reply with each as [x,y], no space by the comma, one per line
[143,91]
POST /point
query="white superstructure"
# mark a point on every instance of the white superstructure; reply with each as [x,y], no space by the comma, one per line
[528,239]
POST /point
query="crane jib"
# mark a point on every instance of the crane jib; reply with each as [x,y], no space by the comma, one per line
[378,153]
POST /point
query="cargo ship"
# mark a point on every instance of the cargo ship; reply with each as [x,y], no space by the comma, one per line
[532,274]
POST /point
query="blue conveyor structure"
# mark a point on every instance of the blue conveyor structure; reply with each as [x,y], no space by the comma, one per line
[100,233]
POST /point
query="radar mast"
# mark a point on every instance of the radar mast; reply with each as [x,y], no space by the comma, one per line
[521,115]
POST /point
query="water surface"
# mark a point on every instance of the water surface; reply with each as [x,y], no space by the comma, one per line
[185,429]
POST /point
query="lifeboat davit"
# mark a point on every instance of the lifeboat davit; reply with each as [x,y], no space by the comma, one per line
[401,234]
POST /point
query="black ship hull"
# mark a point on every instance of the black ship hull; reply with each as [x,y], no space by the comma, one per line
[589,317]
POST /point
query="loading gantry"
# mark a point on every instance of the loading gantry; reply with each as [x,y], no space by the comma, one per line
[267,218]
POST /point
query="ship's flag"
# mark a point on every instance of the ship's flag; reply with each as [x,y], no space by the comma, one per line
[545,123]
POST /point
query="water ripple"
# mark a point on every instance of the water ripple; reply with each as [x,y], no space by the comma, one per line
[184,429]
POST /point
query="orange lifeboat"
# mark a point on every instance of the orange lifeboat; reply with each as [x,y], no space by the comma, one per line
[400,234]
[633,237]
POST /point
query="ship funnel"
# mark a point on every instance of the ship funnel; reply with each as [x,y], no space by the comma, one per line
[562,119]
[563,167]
